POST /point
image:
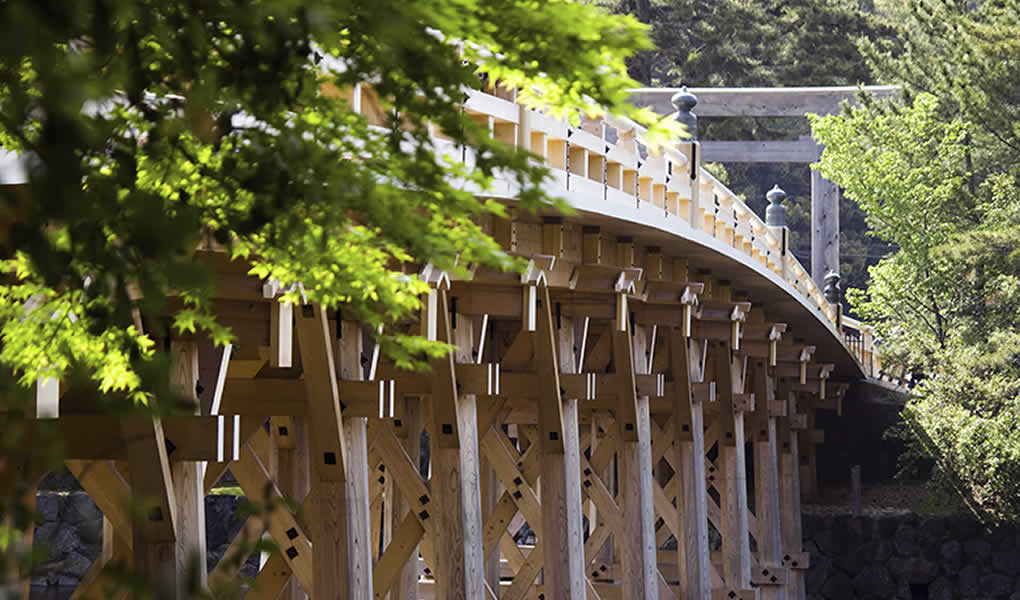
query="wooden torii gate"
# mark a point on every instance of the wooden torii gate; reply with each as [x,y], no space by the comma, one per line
[777,102]
[610,397]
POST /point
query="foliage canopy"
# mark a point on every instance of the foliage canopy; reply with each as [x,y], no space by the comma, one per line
[152,123]
[938,176]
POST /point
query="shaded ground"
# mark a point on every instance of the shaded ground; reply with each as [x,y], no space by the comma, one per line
[887,498]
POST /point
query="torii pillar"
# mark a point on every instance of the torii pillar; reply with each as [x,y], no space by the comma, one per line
[824,227]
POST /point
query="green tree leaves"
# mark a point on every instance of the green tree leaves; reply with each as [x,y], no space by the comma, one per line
[939,177]
[155,123]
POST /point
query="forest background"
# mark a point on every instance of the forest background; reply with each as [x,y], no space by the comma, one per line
[930,221]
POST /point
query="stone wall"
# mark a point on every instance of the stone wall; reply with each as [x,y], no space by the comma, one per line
[72,530]
[876,557]
[909,557]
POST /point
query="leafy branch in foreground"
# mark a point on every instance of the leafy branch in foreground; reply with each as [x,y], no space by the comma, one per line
[152,122]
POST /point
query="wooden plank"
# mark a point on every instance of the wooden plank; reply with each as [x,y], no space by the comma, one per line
[224,575]
[496,447]
[292,476]
[108,487]
[402,549]
[789,498]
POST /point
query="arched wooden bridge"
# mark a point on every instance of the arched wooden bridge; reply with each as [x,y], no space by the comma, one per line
[653,375]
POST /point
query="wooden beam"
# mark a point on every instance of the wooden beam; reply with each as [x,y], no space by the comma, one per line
[291,434]
[689,431]
[758,102]
[804,150]
[254,479]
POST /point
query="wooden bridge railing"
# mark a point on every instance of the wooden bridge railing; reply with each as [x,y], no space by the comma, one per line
[606,158]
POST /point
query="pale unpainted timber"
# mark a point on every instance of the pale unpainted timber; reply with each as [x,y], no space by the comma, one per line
[355,431]
[328,458]
[406,586]
[758,102]
[796,151]
[824,227]
[561,475]
[454,456]
[637,548]
[188,475]
[154,530]
[689,433]
[789,498]
[766,468]
[732,464]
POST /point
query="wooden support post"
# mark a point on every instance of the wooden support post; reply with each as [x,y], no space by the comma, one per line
[188,478]
[689,431]
[766,470]
[732,463]
[789,498]
[332,562]
[454,456]
[360,551]
[406,586]
[638,560]
[561,536]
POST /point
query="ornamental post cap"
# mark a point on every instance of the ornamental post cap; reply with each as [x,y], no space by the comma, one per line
[775,195]
[775,214]
[684,101]
[832,292]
